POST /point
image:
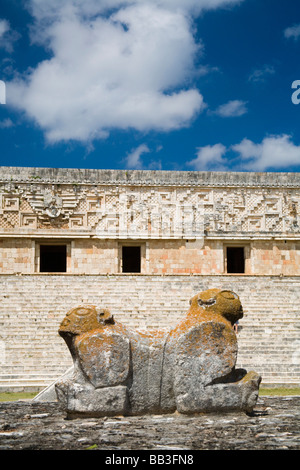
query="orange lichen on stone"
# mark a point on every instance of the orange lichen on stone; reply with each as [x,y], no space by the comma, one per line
[189,368]
[84,318]
[213,305]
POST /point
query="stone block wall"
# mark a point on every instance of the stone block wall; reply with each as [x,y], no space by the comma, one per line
[185,257]
[92,256]
[275,257]
[32,354]
[16,255]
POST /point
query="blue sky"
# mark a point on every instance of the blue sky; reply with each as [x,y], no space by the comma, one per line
[160,84]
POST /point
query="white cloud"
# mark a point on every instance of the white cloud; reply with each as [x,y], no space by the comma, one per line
[43,9]
[133,159]
[6,123]
[292,32]
[260,75]
[273,152]
[7,36]
[112,69]
[4,27]
[209,157]
[233,108]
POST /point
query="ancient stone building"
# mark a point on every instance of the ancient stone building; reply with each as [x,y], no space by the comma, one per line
[142,243]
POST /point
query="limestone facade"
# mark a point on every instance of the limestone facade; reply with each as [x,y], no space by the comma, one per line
[181,222]
[32,306]
[67,235]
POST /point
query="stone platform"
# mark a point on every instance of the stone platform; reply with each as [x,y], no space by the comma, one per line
[274,425]
[33,355]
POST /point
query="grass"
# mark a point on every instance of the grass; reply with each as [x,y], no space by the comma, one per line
[281,392]
[8,396]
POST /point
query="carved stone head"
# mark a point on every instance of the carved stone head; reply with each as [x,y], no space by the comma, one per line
[84,318]
[217,301]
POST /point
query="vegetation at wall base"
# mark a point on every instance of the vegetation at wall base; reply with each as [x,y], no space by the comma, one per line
[264,391]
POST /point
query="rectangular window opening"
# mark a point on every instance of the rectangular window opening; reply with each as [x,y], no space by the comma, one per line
[235,260]
[131,257]
[53,258]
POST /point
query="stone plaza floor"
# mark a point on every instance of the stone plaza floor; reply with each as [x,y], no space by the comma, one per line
[274,425]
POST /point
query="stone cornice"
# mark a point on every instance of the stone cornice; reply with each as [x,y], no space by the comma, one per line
[148,178]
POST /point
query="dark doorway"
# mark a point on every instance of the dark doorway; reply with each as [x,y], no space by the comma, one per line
[131,256]
[53,258]
[235,260]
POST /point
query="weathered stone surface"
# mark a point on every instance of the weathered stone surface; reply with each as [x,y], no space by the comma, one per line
[273,425]
[190,369]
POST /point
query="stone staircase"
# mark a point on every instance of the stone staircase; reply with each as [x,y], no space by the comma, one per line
[32,355]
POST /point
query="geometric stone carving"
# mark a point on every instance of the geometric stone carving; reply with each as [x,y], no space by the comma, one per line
[144,208]
[191,368]
[10,203]
[77,222]
[29,221]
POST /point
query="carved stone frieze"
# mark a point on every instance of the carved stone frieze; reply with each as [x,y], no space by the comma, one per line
[135,210]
